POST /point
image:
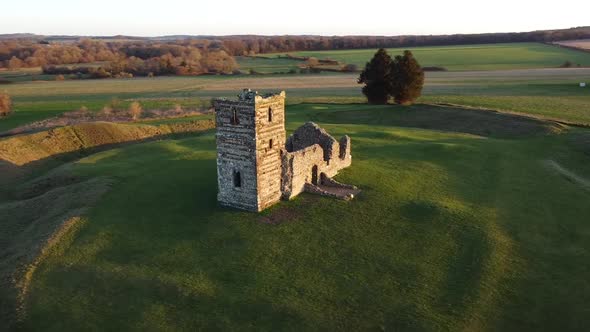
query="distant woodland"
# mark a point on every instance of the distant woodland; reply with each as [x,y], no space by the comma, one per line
[103,57]
[118,59]
[238,45]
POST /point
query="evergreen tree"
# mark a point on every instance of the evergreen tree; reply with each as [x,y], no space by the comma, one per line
[377,78]
[407,78]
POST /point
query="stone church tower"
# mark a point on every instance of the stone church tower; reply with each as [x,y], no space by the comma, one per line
[250,137]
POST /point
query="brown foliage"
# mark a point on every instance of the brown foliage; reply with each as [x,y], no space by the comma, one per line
[123,59]
[106,111]
[5,104]
[312,62]
[192,53]
[135,110]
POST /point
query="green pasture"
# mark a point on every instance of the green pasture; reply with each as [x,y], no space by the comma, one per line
[554,94]
[470,57]
[266,66]
[471,217]
[453,231]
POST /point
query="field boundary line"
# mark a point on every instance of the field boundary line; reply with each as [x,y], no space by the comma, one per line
[527,115]
[584,183]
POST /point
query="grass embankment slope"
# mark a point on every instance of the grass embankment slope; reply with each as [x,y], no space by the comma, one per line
[36,209]
[452,231]
[23,149]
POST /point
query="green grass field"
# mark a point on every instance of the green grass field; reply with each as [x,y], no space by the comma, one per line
[468,220]
[453,231]
[552,93]
[471,57]
[266,66]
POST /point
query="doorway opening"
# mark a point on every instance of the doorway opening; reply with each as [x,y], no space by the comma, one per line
[314,175]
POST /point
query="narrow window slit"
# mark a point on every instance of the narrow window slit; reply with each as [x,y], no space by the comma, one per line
[237,179]
[234,118]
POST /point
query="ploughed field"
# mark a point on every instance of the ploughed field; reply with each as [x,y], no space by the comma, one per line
[583,44]
[468,220]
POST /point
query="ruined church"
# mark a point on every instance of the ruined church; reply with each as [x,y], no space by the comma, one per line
[257,166]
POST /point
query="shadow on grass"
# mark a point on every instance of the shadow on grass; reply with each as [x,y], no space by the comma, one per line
[445,118]
[158,253]
[33,205]
[11,173]
[159,247]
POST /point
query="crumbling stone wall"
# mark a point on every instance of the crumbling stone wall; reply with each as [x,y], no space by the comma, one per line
[311,146]
[297,169]
[310,134]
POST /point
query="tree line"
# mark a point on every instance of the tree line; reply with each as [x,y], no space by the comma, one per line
[249,45]
[185,55]
[141,58]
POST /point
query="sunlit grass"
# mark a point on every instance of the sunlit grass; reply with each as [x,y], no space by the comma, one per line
[452,232]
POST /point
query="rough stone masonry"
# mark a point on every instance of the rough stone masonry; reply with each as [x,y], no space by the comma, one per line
[257,167]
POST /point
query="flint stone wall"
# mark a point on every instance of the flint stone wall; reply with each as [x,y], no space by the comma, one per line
[311,146]
[268,157]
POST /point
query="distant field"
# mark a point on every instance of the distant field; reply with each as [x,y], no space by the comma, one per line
[472,57]
[551,93]
[580,43]
[266,66]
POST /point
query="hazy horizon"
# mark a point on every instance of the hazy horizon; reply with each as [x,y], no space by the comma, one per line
[149,18]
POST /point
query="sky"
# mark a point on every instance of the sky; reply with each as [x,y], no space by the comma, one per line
[294,17]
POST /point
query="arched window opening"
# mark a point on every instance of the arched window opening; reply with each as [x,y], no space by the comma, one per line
[269,114]
[234,117]
[314,175]
[237,179]
[270,144]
